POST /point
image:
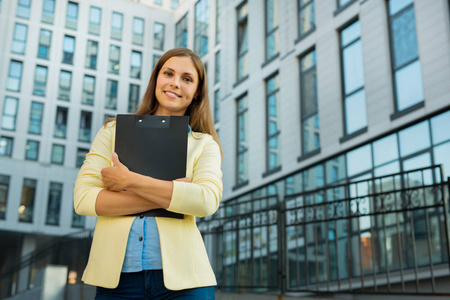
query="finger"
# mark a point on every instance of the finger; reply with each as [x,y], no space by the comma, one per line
[115,159]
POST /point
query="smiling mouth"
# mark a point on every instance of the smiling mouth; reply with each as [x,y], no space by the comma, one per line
[172,94]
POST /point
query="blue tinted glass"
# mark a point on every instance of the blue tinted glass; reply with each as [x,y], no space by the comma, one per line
[414,139]
[351,33]
[353,67]
[95,15]
[385,150]
[355,112]
[359,160]
[409,86]
[404,38]
[419,161]
[441,156]
[397,5]
[440,128]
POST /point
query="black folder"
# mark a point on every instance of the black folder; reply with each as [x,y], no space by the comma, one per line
[154,146]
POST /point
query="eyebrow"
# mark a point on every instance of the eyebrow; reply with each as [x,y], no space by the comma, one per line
[185,73]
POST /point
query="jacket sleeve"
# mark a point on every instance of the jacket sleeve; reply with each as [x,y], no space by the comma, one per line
[202,196]
[89,180]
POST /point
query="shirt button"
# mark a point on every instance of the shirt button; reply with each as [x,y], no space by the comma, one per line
[141,216]
[140,239]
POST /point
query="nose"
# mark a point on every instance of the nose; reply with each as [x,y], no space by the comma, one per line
[175,81]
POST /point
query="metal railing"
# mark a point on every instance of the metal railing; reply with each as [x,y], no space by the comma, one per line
[387,234]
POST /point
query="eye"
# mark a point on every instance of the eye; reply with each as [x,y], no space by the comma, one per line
[187,79]
[168,74]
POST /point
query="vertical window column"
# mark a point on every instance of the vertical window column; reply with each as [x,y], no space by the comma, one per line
[181,32]
[306,17]
[84,135]
[353,80]
[48,11]
[36,113]
[201,27]
[242,142]
[309,107]
[138,31]
[20,39]
[26,208]
[133,98]
[111,94]
[88,90]
[114,59]
[61,122]
[9,116]
[158,36]
[272,126]
[91,55]
[242,43]
[4,186]
[95,16]
[116,26]
[272,47]
[54,203]
[65,82]
[405,56]
[45,38]
[40,81]
[135,64]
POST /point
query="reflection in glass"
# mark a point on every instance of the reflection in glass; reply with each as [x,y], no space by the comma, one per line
[359,160]
[355,112]
[306,16]
[385,150]
[442,156]
[414,138]
[404,36]
[440,128]
[409,85]
[353,67]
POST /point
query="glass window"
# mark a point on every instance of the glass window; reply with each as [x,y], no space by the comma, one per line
[48,11]
[309,113]
[45,39]
[201,27]
[405,57]
[81,156]
[242,141]
[414,139]
[173,4]
[133,98]
[155,59]
[65,82]
[242,63]
[181,32]
[217,106]
[342,3]
[95,17]
[4,186]
[20,39]
[84,135]
[272,47]
[23,9]
[6,146]
[37,110]
[359,161]
[114,59]
[158,36]
[136,64]
[15,76]
[77,220]
[306,17]
[385,150]
[57,154]
[441,157]
[217,67]
[353,78]
[40,81]
[272,124]
[439,127]
[61,122]
[138,31]
[91,55]
[111,94]
[32,150]
[158,2]
[218,20]
[72,15]
[68,49]
[88,90]
[116,26]
[54,203]
[9,116]
[26,208]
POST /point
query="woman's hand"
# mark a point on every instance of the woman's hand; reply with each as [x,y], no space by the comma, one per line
[116,178]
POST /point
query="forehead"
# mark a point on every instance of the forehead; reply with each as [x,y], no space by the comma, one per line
[181,64]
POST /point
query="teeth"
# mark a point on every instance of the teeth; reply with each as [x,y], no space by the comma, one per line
[172,94]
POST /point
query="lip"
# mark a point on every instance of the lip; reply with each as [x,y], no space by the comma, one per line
[172,94]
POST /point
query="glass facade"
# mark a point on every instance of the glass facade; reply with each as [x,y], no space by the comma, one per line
[272,124]
[84,134]
[405,55]
[201,28]
[61,122]
[181,32]
[135,64]
[138,31]
[111,94]
[40,81]
[88,90]
[14,76]
[23,9]
[114,59]
[48,11]
[353,79]
[242,42]
[58,152]
[32,150]
[68,49]
[309,108]
[272,41]
[133,98]
[6,146]
[72,15]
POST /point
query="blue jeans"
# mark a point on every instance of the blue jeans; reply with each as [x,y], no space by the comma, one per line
[150,285]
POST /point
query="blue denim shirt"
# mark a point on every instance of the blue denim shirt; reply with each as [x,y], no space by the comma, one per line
[143,247]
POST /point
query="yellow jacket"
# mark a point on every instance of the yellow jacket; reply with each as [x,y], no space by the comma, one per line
[184,258]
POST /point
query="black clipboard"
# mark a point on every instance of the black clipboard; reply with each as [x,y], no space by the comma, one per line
[154,146]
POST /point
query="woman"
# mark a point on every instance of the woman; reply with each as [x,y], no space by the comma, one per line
[154,257]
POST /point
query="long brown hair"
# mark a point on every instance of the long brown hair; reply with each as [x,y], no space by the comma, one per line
[199,112]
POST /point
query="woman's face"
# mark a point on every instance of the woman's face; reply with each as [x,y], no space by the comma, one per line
[176,85]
